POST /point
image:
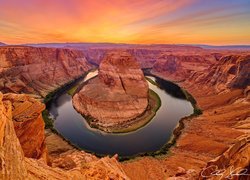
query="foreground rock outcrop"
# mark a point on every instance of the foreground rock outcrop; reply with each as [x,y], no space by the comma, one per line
[119,94]
[234,163]
[14,165]
[39,70]
[28,124]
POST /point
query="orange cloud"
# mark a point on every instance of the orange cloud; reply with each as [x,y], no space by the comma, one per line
[142,21]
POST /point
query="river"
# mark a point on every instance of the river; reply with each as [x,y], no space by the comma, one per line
[73,127]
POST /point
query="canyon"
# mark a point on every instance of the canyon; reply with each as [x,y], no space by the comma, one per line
[219,81]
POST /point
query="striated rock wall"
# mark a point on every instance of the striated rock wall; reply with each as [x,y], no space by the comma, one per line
[230,72]
[28,124]
[11,154]
[119,94]
[179,67]
[39,70]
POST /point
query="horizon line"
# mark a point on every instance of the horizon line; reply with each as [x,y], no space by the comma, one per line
[190,44]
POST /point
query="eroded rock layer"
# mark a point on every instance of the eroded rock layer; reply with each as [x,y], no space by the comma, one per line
[117,95]
[39,70]
[28,124]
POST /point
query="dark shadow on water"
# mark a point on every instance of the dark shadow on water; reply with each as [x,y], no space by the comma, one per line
[170,88]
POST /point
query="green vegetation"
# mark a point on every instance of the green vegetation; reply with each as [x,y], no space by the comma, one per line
[197,111]
[151,81]
[157,99]
[72,90]
[52,94]
[47,120]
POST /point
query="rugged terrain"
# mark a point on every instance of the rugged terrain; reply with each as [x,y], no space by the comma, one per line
[224,123]
[16,164]
[28,124]
[219,82]
[39,70]
[118,95]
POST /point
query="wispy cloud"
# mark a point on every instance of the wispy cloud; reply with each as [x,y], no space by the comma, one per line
[142,21]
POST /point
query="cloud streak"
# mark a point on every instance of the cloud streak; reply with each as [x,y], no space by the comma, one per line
[142,21]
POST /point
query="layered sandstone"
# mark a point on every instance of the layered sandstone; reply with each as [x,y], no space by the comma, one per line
[232,71]
[14,165]
[39,70]
[179,67]
[28,124]
[119,94]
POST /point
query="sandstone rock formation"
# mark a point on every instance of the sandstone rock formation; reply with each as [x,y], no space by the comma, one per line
[235,160]
[28,124]
[119,93]
[178,67]
[39,70]
[230,72]
[14,165]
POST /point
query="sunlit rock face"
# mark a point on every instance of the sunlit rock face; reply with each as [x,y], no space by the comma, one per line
[28,123]
[117,95]
[39,70]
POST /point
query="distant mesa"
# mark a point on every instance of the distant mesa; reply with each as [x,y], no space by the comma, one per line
[2,44]
[117,96]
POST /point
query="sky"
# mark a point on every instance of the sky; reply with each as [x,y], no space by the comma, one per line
[214,22]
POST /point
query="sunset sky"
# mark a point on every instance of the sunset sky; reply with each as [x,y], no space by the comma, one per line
[125,21]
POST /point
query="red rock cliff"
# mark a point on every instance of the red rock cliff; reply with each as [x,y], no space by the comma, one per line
[39,70]
[28,123]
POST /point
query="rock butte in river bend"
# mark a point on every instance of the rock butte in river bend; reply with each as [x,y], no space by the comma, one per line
[119,93]
[218,80]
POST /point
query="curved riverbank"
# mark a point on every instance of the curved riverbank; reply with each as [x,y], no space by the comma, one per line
[150,138]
